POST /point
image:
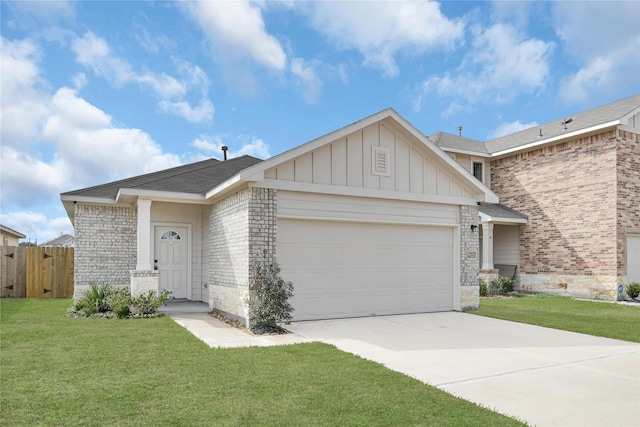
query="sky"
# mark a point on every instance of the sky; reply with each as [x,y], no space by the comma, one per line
[96,91]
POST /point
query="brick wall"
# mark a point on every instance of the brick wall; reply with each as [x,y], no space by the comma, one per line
[581,197]
[469,252]
[241,226]
[105,241]
[628,162]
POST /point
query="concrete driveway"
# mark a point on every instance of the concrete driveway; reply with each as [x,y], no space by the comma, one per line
[543,376]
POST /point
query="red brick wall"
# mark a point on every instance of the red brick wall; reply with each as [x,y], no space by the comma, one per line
[569,193]
[628,193]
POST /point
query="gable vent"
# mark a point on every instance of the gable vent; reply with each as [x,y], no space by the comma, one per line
[380,161]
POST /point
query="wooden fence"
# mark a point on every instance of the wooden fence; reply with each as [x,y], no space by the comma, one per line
[36,272]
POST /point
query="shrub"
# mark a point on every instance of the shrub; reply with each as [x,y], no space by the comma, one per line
[94,300]
[269,295]
[633,289]
[149,303]
[483,288]
[119,300]
[503,285]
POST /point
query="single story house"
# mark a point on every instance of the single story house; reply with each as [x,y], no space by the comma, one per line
[569,218]
[371,219]
[64,240]
[9,236]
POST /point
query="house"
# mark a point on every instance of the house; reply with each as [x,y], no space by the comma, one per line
[64,240]
[373,218]
[569,213]
[9,236]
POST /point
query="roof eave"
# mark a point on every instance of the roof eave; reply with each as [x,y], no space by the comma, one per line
[556,139]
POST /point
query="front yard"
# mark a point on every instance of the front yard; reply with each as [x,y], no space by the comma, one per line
[57,370]
[602,319]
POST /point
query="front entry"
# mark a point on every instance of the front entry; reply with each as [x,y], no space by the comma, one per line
[171,259]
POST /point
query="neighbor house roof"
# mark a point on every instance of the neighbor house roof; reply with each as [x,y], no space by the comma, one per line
[612,114]
[196,178]
[458,144]
[62,240]
[11,231]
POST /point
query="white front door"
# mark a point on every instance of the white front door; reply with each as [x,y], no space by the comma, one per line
[171,259]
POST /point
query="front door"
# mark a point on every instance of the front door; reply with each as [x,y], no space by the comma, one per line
[171,259]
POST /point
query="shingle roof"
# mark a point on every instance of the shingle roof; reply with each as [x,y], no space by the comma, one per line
[455,142]
[586,119]
[62,240]
[196,178]
[501,211]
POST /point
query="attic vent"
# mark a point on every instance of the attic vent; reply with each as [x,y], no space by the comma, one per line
[380,161]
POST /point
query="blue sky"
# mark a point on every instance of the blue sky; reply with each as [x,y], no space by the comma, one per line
[97,91]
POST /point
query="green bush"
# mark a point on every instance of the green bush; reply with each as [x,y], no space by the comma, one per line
[107,301]
[483,288]
[149,303]
[503,285]
[94,300]
[269,295]
[633,289]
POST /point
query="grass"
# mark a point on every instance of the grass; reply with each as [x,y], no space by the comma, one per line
[63,371]
[587,317]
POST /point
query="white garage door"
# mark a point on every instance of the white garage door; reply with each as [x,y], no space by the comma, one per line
[344,269]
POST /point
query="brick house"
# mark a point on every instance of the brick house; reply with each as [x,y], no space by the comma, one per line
[373,218]
[569,191]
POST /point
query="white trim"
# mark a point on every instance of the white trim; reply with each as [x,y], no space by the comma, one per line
[457,288]
[365,192]
[568,135]
[480,161]
[189,227]
[496,219]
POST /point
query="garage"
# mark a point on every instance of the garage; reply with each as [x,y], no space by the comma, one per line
[349,269]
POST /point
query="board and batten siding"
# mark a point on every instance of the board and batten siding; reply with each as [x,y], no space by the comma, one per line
[347,162]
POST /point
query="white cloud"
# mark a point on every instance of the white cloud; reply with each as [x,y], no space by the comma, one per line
[509,128]
[211,146]
[199,114]
[46,11]
[382,30]
[23,104]
[308,81]
[608,61]
[237,30]
[36,226]
[94,53]
[501,65]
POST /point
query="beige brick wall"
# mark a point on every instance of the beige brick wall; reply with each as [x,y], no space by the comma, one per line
[106,242]
[241,226]
[628,194]
[582,197]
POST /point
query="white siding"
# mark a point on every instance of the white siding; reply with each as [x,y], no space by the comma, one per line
[347,162]
[506,244]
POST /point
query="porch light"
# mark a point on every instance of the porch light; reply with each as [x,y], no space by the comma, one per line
[474,228]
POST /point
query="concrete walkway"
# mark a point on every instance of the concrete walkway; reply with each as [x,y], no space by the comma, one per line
[217,334]
[543,376]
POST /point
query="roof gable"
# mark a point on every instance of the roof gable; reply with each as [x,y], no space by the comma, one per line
[381,152]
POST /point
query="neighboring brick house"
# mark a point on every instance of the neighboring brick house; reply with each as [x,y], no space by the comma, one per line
[373,218]
[572,188]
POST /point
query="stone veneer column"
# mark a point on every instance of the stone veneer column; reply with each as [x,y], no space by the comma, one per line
[469,265]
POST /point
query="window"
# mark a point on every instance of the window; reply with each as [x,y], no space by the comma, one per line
[170,235]
[478,171]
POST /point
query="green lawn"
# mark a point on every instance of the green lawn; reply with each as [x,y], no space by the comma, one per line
[588,317]
[57,370]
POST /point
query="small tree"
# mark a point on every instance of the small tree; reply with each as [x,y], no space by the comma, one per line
[633,289]
[269,295]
